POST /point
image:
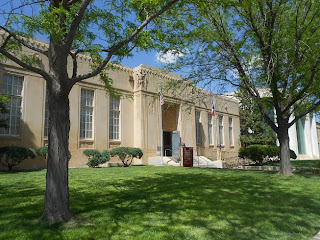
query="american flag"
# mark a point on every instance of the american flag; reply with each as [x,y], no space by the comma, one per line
[161,96]
[161,99]
[212,108]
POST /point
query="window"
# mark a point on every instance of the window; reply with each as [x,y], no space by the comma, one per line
[114,118]
[230,132]
[221,130]
[86,114]
[210,128]
[46,116]
[12,88]
[198,136]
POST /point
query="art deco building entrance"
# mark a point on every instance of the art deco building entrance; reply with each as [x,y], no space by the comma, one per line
[171,137]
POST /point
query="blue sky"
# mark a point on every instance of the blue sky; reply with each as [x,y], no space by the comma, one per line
[151,58]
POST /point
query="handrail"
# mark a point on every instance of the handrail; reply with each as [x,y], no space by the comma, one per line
[165,152]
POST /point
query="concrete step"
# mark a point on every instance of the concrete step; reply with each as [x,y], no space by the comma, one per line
[198,161]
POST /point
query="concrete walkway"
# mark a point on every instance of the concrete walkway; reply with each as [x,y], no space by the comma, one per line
[316,237]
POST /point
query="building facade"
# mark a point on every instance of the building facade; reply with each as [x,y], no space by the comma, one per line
[99,121]
[304,138]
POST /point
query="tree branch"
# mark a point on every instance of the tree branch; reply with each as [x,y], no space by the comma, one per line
[301,93]
[24,43]
[309,110]
[13,58]
[76,22]
[120,44]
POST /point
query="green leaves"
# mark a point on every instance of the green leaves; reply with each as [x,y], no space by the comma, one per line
[11,156]
[95,158]
[126,154]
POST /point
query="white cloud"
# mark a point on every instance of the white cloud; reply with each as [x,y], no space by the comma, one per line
[170,56]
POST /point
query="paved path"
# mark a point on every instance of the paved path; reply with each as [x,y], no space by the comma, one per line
[317,237]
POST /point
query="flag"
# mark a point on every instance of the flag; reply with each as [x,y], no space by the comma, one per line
[161,99]
[161,96]
[212,108]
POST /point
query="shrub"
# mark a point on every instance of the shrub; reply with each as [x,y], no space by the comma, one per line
[126,154]
[11,156]
[95,158]
[43,151]
[254,152]
[293,155]
[258,153]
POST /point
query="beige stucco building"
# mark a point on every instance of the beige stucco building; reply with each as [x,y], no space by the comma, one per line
[99,121]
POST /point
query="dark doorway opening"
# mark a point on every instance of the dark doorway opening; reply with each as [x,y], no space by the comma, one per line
[167,143]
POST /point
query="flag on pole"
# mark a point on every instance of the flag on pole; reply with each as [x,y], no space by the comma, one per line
[212,108]
[161,96]
[161,99]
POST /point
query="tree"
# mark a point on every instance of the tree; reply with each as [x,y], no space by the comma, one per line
[11,156]
[126,154]
[254,45]
[95,158]
[253,130]
[104,30]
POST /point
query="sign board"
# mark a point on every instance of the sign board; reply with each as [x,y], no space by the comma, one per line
[188,156]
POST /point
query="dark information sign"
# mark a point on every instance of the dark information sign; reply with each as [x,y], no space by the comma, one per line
[188,156]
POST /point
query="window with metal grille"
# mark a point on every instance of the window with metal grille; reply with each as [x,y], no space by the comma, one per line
[12,88]
[198,128]
[221,130]
[230,131]
[114,118]
[86,114]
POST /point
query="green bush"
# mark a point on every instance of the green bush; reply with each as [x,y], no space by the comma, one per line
[258,153]
[43,151]
[11,156]
[254,152]
[126,154]
[95,158]
[293,155]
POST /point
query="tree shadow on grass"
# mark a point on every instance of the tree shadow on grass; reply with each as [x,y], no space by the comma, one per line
[196,204]
[243,207]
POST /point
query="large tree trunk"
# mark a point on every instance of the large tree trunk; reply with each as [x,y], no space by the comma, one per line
[57,189]
[285,164]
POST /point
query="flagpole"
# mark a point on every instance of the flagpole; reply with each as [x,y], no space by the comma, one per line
[161,132]
[217,130]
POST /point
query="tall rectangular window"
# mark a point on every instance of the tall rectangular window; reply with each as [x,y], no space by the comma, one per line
[12,88]
[210,128]
[46,116]
[221,130]
[198,135]
[114,118]
[230,132]
[86,114]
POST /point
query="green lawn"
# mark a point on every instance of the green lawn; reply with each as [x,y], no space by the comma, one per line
[301,163]
[165,203]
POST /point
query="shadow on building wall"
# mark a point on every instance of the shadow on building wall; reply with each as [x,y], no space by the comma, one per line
[26,139]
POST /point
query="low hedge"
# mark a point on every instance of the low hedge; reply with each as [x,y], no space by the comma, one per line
[43,151]
[95,158]
[11,156]
[258,153]
[126,154]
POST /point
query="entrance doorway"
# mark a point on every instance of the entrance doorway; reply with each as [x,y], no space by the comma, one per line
[171,137]
[167,143]
[171,143]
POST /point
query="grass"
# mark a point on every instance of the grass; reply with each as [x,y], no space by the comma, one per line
[301,163]
[165,203]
